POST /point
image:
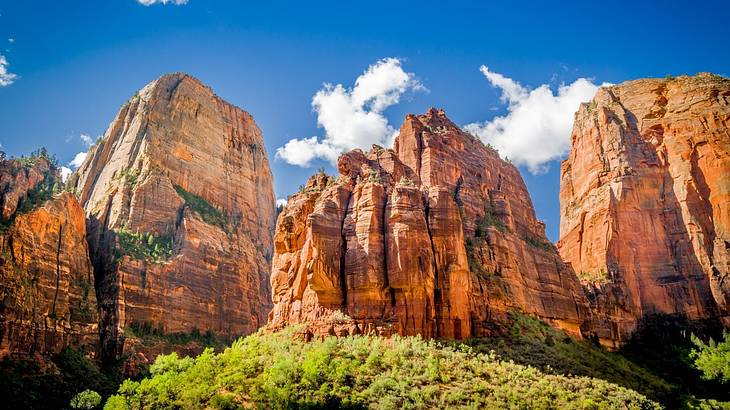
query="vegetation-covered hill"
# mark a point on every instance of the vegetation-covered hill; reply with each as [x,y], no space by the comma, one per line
[279,371]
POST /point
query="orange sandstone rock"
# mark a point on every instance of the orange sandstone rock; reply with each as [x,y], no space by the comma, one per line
[188,174]
[47,298]
[435,237]
[645,201]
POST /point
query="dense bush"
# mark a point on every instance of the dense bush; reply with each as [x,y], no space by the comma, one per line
[278,371]
[87,399]
[712,358]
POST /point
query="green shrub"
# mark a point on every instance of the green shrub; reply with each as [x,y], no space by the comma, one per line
[87,399]
[406,181]
[128,176]
[209,213]
[145,246]
[712,358]
[267,370]
[487,220]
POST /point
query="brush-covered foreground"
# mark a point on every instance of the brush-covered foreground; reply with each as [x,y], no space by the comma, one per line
[280,371]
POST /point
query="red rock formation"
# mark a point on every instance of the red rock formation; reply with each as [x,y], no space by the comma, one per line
[434,237]
[47,299]
[181,212]
[645,201]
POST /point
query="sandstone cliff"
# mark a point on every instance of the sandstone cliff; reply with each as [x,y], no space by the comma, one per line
[180,203]
[47,299]
[645,201]
[436,236]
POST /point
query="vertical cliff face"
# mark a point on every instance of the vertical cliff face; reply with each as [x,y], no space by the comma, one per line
[181,210]
[47,299]
[645,201]
[434,237]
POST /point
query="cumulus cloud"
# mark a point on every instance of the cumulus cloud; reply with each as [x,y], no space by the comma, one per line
[73,165]
[151,2]
[78,160]
[6,77]
[281,201]
[353,118]
[537,126]
[65,173]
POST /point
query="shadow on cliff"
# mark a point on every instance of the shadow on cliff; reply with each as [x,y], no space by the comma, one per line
[103,259]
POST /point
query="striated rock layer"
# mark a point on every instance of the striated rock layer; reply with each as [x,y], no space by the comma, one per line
[181,211]
[436,236]
[47,299]
[645,201]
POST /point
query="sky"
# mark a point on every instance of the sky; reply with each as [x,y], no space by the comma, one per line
[323,77]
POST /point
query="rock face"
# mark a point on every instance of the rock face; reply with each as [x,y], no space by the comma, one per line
[436,236]
[181,211]
[645,201]
[47,299]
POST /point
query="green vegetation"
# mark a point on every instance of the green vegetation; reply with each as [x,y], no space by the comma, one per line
[41,193]
[529,341]
[406,181]
[145,246]
[375,177]
[592,105]
[712,358]
[654,363]
[209,213]
[27,161]
[26,383]
[279,371]
[152,336]
[128,176]
[597,278]
[539,243]
[487,220]
[87,399]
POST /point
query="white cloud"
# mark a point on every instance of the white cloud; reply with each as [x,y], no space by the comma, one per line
[65,173]
[6,78]
[281,201]
[536,129]
[151,2]
[78,160]
[74,164]
[86,140]
[353,118]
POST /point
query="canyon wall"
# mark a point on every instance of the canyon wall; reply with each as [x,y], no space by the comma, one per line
[180,206]
[645,202]
[47,299]
[436,236]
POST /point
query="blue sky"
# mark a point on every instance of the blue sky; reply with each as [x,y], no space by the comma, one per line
[77,62]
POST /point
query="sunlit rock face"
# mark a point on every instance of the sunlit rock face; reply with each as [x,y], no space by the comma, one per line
[47,299]
[180,203]
[645,201]
[436,237]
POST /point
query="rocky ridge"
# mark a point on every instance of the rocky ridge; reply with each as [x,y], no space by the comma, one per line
[436,236]
[645,202]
